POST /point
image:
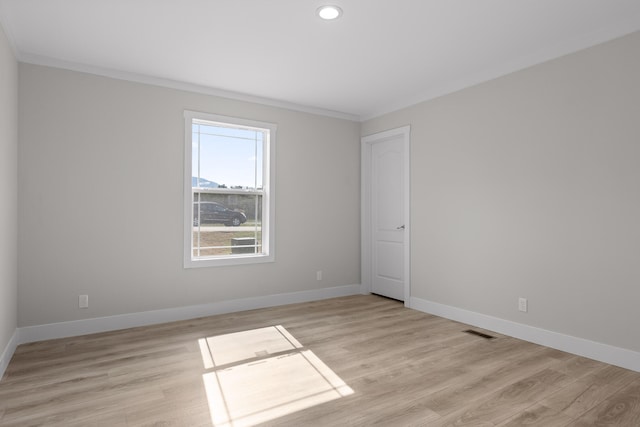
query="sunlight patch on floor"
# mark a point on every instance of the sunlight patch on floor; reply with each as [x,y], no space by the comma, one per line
[262,374]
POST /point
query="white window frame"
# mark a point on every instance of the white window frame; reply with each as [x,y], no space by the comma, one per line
[268,194]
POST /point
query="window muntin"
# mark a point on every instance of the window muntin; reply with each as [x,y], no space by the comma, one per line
[228,190]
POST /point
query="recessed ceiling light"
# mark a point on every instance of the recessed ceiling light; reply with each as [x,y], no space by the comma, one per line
[329,12]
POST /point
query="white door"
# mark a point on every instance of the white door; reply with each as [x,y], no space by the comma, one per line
[387,217]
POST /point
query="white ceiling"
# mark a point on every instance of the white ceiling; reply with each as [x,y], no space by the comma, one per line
[378,57]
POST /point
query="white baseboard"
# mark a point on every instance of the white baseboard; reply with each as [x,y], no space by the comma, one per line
[111,323]
[7,354]
[593,350]
[603,352]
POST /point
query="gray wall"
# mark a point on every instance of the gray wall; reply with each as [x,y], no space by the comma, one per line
[100,180]
[8,191]
[529,186]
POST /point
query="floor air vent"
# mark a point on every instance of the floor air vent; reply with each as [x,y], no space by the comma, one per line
[479,334]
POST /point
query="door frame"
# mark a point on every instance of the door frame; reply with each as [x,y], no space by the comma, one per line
[365,207]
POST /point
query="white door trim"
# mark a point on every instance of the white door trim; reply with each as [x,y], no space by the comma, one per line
[365,208]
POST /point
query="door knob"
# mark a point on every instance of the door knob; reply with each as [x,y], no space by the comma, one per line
[400,228]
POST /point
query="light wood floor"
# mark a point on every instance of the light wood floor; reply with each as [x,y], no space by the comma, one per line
[404,367]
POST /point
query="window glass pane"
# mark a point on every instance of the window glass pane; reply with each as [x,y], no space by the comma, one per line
[227,158]
[226,224]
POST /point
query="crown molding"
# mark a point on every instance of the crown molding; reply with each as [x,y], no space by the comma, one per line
[178,85]
[444,87]
[568,47]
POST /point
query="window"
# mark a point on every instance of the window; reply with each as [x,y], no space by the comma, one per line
[228,197]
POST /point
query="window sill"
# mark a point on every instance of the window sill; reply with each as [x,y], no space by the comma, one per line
[228,260]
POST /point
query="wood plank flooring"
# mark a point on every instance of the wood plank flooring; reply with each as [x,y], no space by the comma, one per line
[404,368]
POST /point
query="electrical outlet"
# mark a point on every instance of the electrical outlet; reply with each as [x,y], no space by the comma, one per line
[522,304]
[83,301]
[319,275]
